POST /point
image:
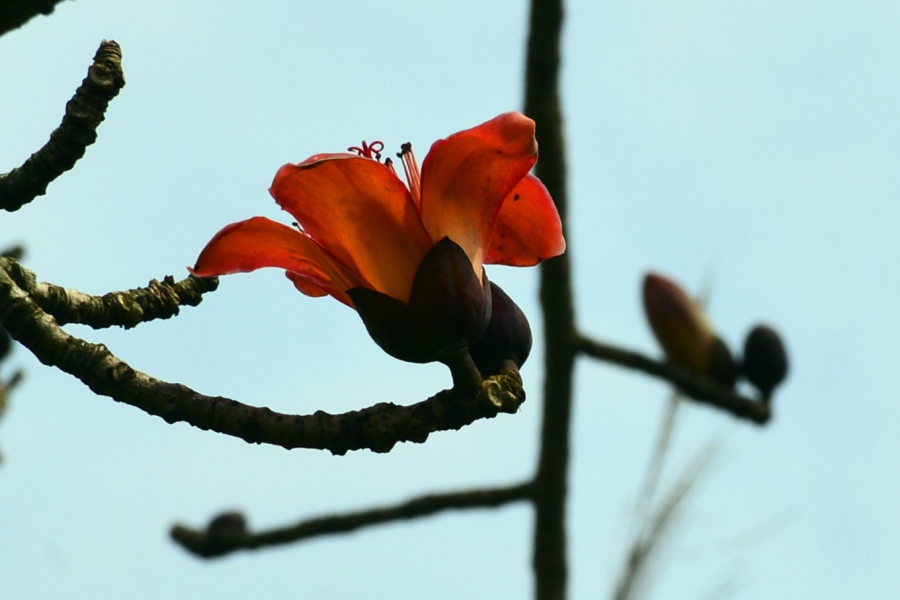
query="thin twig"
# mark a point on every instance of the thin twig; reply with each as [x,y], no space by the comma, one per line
[376,428]
[657,460]
[78,130]
[643,515]
[644,551]
[698,388]
[213,542]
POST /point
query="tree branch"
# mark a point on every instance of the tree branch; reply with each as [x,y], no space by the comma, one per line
[78,130]
[700,389]
[15,13]
[125,309]
[377,428]
[542,103]
[227,533]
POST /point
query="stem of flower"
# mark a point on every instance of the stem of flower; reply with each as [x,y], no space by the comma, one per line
[466,376]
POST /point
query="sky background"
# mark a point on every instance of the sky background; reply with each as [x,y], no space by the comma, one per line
[753,147]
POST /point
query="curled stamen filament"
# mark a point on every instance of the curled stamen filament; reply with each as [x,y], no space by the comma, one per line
[372,150]
[411,169]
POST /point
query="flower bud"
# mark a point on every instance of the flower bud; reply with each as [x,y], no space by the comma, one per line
[765,359]
[678,324]
[227,525]
[507,338]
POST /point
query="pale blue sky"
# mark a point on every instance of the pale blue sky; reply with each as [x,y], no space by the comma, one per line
[754,145]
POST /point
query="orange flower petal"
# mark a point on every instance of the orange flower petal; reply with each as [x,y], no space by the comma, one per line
[305,285]
[259,242]
[359,210]
[528,229]
[467,176]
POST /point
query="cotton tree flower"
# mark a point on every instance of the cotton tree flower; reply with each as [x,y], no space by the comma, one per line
[408,257]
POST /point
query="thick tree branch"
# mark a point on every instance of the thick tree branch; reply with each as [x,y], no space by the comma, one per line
[700,389]
[125,309]
[542,103]
[227,533]
[377,428]
[15,13]
[78,130]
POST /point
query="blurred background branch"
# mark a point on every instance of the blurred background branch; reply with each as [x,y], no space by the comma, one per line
[656,527]
[228,532]
[542,103]
[697,387]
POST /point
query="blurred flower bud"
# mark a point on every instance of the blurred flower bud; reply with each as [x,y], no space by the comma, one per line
[765,359]
[449,308]
[227,527]
[15,252]
[506,339]
[681,329]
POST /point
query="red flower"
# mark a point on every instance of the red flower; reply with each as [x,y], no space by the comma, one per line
[360,228]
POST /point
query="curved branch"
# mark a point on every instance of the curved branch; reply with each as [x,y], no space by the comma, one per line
[15,13]
[700,389]
[78,130]
[159,300]
[376,428]
[227,533]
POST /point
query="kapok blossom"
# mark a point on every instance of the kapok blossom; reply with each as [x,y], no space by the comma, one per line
[409,257]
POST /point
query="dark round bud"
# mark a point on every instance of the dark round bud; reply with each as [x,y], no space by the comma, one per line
[507,338]
[14,252]
[765,359]
[722,367]
[227,526]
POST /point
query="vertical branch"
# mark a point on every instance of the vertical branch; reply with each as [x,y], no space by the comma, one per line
[543,105]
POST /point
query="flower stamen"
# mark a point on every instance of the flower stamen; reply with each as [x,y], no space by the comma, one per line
[411,169]
[390,165]
[372,150]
